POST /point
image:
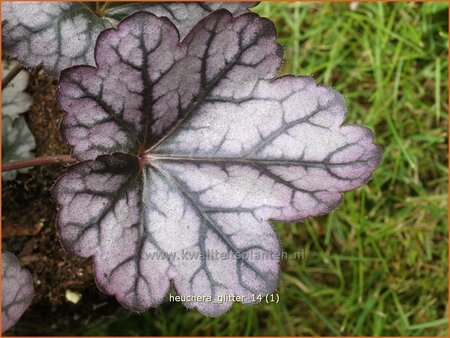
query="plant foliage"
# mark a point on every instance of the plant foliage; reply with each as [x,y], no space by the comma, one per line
[188,149]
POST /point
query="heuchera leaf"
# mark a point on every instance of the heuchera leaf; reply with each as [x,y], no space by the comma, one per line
[17,290]
[55,35]
[14,100]
[188,150]
[183,15]
[18,144]
[63,34]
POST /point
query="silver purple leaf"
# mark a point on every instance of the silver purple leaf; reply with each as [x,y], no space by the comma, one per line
[55,35]
[188,150]
[58,35]
[183,15]
[17,290]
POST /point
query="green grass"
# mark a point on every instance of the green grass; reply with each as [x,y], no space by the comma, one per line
[378,264]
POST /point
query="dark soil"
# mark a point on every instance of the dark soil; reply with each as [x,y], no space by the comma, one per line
[29,231]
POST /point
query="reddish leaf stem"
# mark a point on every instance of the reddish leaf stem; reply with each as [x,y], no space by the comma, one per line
[38,161]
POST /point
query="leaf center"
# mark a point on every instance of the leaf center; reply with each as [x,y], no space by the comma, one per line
[100,9]
[144,159]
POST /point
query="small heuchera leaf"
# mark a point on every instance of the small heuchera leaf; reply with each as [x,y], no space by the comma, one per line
[17,290]
[183,15]
[18,144]
[188,150]
[14,100]
[55,35]
[63,34]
